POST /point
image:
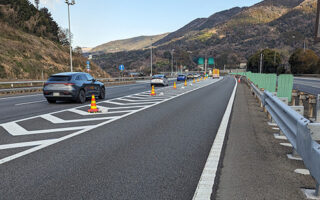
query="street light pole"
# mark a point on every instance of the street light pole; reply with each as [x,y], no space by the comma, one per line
[151,59]
[172,61]
[70,3]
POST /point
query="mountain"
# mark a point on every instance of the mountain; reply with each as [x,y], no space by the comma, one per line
[135,43]
[32,44]
[230,36]
[200,24]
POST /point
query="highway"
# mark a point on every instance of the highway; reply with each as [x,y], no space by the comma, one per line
[20,107]
[139,147]
[307,85]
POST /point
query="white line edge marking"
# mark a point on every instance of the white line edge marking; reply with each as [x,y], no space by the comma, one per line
[49,143]
[15,97]
[207,179]
[31,102]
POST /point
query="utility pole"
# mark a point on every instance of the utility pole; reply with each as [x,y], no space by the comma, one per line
[205,65]
[304,45]
[151,58]
[261,58]
[317,32]
[70,3]
[172,61]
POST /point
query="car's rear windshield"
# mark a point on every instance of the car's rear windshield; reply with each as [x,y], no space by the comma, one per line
[181,75]
[59,78]
[157,76]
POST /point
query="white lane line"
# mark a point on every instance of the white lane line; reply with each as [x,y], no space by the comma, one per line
[25,144]
[16,97]
[139,100]
[207,179]
[31,102]
[34,149]
[15,129]
[128,104]
[56,120]
[84,113]
[117,86]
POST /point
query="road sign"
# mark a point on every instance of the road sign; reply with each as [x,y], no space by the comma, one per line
[211,61]
[88,65]
[121,67]
[201,61]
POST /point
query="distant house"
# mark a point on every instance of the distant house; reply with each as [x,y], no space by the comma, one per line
[243,65]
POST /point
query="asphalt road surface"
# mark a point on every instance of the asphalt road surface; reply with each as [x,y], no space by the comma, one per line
[308,85]
[20,107]
[139,147]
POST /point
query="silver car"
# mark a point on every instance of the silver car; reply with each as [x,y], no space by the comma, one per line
[159,79]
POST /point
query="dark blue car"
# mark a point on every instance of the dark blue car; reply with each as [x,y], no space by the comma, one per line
[75,86]
[181,77]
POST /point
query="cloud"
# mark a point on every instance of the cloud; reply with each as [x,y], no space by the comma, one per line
[51,4]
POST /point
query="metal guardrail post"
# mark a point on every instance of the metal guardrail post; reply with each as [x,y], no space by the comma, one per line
[318,109]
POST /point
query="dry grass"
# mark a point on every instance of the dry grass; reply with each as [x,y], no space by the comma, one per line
[25,56]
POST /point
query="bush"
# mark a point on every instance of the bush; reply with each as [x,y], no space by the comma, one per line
[304,62]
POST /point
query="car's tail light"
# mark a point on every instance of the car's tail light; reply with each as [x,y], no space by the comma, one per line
[68,83]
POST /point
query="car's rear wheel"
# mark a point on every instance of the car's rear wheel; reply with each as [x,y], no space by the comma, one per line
[51,101]
[102,93]
[81,97]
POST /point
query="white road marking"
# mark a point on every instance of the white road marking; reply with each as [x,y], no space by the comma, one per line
[16,97]
[207,179]
[56,120]
[15,129]
[127,104]
[302,171]
[88,128]
[140,100]
[84,113]
[286,144]
[25,144]
[31,102]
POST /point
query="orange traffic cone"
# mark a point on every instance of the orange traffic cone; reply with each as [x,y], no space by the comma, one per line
[239,80]
[185,83]
[153,92]
[93,107]
[198,80]
[174,85]
[194,80]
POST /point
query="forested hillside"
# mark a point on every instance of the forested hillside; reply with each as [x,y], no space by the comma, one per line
[32,44]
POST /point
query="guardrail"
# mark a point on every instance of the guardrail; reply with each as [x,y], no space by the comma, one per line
[36,86]
[296,128]
[302,134]
[257,91]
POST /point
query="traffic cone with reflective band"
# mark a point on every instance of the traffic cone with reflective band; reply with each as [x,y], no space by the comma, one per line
[153,92]
[174,85]
[194,80]
[201,79]
[198,80]
[239,80]
[185,83]
[93,107]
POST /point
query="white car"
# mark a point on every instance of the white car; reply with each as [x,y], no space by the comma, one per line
[159,80]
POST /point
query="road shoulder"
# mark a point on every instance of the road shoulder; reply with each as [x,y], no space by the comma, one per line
[255,165]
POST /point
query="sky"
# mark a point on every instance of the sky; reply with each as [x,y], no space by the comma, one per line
[94,22]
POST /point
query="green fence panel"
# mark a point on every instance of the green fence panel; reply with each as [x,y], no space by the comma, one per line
[271,82]
[285,86]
